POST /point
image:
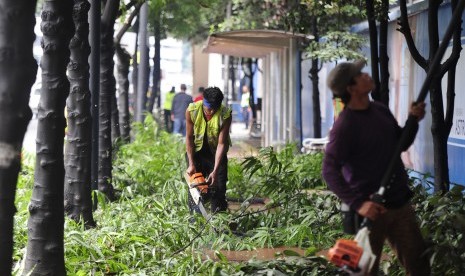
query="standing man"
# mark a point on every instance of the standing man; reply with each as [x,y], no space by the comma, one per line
[359,150]
[200,95]
[245,105]
[180,103]
[167,109]
[207,144]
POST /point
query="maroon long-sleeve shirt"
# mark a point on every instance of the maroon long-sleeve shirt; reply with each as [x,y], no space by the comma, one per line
[360,147]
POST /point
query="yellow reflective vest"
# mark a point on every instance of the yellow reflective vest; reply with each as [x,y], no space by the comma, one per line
[211,128]
[168,100]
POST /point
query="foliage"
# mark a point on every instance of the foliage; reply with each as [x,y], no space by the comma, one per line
[147,231]
[337,45]
[443,223]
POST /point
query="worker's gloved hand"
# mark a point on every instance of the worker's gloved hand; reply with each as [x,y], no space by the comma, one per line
[211,179]
[418,110]
[371,210]
[190,170]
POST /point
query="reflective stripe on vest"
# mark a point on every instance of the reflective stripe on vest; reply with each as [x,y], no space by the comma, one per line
[213,126]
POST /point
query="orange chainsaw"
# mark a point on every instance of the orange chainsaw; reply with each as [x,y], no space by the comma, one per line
[198,186]
[353,256]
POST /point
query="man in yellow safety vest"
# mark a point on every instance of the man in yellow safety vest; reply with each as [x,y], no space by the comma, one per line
[207,142]
[167,109]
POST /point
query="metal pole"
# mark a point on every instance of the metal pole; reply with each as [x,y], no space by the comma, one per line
[143,74]
[94,84]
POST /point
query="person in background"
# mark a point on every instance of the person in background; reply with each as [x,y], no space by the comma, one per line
[180,103]
[245,105]
[360,147]
[200,96]
[207,143]
[167,109]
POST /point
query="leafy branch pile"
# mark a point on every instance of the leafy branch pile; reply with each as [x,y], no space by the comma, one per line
[147,231]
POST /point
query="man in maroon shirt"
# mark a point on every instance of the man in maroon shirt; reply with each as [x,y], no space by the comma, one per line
[361,142]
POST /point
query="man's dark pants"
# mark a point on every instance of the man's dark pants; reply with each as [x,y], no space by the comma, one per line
[204,162]
[168,122]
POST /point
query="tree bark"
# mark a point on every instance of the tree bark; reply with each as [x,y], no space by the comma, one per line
[78,190]
[17,73]
[45,252]
[315,89]
[124,60]
[115,125]
[383,54]
[373,31]
[107,91]
[156,76]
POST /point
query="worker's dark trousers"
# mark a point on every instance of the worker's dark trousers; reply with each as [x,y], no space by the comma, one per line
[168,122]
[400,228]
[204,163]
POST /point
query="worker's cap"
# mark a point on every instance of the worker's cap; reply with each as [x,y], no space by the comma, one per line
[341,76]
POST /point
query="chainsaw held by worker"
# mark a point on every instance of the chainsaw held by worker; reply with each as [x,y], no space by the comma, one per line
[353,256]
[198,187]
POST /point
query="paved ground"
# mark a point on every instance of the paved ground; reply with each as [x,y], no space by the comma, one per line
[242,143]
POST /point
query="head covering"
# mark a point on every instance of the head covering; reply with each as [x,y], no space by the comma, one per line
[207,104]
[341,75]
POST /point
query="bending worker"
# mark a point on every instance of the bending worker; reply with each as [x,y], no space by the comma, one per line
[207,143]
[356,157]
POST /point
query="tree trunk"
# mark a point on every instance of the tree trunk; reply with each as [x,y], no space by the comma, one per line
[135,72]
[107,91]
[143,74]
[373,48]
[441,121]
[78,190]
[115,125]
[17,73]
[315,81]
[439,133]
[383,54]
[45,252]
[251,91]
[156,76]
[124,60]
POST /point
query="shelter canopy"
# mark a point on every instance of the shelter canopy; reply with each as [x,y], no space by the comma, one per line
[250,43]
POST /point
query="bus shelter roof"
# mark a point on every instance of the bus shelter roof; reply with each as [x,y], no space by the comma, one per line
[250,43]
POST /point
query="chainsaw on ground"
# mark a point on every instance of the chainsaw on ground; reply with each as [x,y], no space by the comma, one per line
[198,186]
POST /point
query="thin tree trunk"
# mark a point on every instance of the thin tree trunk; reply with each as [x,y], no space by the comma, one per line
[251,91]
[124,60]
[135,74]
[441,176]
[315,81]
[373,48]
[78,190]
[115,125]
[17,73]
[383,54]
[107,91]
[143,76]
[45,250]
[156,65]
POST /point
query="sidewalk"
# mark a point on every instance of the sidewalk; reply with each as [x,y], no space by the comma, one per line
[243,144]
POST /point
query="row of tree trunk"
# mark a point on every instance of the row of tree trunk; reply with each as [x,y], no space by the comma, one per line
[62,178]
